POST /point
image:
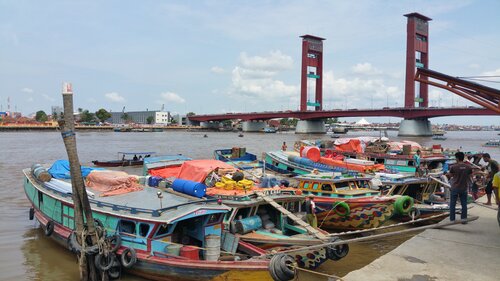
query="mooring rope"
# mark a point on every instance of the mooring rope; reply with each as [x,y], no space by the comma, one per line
[319,273]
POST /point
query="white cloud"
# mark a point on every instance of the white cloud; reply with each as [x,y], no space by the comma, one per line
[172,97]
[114,97]
[495,72]
[366,69]
[30,99]
[276,61]
[47,97]
[27,90]
[342,93]
[217,70]
[474,65]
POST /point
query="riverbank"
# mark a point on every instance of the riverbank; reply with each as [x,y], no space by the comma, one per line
[458,252]
[27,128]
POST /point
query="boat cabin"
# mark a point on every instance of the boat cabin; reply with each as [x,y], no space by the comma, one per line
[336,187]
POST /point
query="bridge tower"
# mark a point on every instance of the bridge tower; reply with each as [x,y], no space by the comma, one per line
[417,55]
[312,68]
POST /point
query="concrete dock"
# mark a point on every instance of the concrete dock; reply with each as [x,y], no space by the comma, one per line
[457,252]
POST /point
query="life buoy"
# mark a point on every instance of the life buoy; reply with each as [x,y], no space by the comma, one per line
[281,267]
[128,257]
[49,228]
[32,213]
[341,208]
[337,252]
[414,213]
[116,240]
[75,247]
[403,205]
[104,262]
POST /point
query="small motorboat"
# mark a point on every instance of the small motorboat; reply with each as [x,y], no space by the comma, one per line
[125,159]
[492,143]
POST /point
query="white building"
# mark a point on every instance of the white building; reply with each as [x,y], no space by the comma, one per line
[162,117]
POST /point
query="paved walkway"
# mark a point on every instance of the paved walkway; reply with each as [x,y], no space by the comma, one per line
[457,252]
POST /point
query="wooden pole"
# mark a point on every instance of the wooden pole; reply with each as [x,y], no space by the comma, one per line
[80,199]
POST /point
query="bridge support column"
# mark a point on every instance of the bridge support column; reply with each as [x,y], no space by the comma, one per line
[310,127]
[415,128]
[209,125]
[253,126]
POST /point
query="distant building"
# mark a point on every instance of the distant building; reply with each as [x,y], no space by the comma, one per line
[56,110]
[139,117]
[181,120]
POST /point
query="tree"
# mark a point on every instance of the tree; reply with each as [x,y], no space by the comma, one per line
[332,120]
[284,121]
[87,117]
[190,114]
[125,117]
[150,119]
[173,121]
[102,114]
[41,116]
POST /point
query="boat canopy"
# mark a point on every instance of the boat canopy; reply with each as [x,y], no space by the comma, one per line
[137,153]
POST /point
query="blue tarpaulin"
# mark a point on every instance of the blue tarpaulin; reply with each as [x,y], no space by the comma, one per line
[60,170]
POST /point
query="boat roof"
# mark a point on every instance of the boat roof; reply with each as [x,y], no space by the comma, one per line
[136,153]
[328,177]
[143,204]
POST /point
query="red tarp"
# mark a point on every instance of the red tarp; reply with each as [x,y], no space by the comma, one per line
[193,170]
[112,182]
[353,145]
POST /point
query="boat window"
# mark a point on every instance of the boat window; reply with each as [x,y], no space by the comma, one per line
[163,230]
[342,185]
[144,229]
[126,227]
[326,187]
[242,213]
[315,185]
[214,218]
[306,185]
[352,185]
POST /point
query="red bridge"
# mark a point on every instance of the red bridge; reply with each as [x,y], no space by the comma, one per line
[416,111]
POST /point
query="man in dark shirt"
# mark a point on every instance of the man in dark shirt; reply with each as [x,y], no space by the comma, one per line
[492,168]
[460,178]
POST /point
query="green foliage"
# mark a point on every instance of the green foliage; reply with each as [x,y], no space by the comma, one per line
[87,117]
[41,116]
[102,114]
[190,114]
[332,120]
[173,121]
[150,119]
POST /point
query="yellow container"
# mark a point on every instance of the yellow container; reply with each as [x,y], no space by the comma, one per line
[220,185]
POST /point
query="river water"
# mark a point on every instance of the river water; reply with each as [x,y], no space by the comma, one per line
[26,254]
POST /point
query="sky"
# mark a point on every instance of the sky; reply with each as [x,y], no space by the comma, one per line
[212,57]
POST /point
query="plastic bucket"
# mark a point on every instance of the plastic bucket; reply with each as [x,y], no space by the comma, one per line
[154,181]
[192,188]
[243,151]
[311,152]
[173,249]
[212,246]
[190,252]
[436,148]
[248,224]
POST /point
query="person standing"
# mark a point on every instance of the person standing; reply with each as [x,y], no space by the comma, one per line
[416,158]
[460,174]
[284,147]
[492,168]
[312,220]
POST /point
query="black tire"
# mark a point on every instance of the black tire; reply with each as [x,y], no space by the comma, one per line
[115,272]
[49,228]
[287,263]
[117,242]
[77,248]
[32,213]
[337,252]
[276,268]
[126,262]
[103,262]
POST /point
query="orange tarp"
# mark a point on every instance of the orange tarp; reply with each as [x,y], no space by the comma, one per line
[351,166]
[165,172]
[353,145]
[112,182]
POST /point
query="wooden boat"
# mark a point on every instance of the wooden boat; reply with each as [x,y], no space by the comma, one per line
[154,165]
[261,219]
[125,159]
[270,130]
[239,158]
[349,203]
[157,235]
[439,137]
[281,162]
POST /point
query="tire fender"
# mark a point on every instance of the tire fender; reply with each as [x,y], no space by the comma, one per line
[49,228]
[127,261]
[403,205]
[342,209]
[414,213]
[337,252]
[103,262]
[117,240]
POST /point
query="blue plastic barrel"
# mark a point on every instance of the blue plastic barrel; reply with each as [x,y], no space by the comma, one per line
[192,188]
[248,224]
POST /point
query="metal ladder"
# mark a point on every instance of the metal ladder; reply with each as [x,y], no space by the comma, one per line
[297,220]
